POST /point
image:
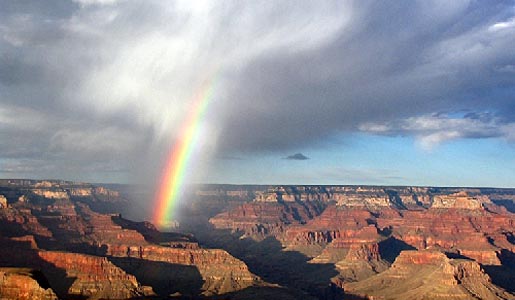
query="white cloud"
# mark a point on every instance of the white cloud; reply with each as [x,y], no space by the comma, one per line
[435,129]
[502,25]
[156,69]
[97,2]
[289,73]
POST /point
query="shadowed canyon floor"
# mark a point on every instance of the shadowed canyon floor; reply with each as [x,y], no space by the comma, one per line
[67,240]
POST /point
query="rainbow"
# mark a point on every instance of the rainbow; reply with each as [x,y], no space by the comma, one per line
[174,172]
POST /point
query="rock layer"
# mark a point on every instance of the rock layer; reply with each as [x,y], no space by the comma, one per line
[24,284]
[429,275]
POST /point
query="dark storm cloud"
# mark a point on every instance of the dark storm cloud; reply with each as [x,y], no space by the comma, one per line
[388,63]
[297,156]
[112,80]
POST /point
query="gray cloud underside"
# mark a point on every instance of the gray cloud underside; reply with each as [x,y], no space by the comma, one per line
[112,80]
[432,130]
[297,156]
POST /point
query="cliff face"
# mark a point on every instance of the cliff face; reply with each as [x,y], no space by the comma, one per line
[93,277]
[70,275]
[101,256]
[219,271]
[429,275]
[460,200]
[361,224]
[293,194]
[471,233]
[19,222]
[261,219]
[24,284]
[349,196]
[460,221]
[314,240]
[51,194]
[362,261]
[334,223]
[3,202]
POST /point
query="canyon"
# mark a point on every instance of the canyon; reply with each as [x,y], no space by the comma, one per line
[66,240]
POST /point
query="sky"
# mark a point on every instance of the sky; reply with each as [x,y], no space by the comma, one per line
[302,92]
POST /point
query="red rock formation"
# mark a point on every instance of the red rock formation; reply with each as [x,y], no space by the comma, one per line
[102,230]
[72,275]
[18,221]
[334,223]
[359,200]
[51,193]
[3,202]
[346,236]
[220,271]
[468,232]
[362,261]
[94,277]
[24,284]
[460,200]
[410,258]
[428,275]
[484,257]
[261,219]
[293,194]
[76,226]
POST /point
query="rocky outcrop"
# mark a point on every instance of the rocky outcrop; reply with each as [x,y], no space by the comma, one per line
[484,257]
[362,261]
[355,253]
[220,272]
[470,233]
[24,284]
[3,202]
[101,230]
[463,223]
[102,191]
[19,222]
[81,192]
[51,193]
[72,226]
[429,275]
[71,275]
[373,198]
[93,277]
[350,196]
[333,235]
[260,219]
[293,194]
[334,223]
[460,200]
[45,184]
[152,235]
